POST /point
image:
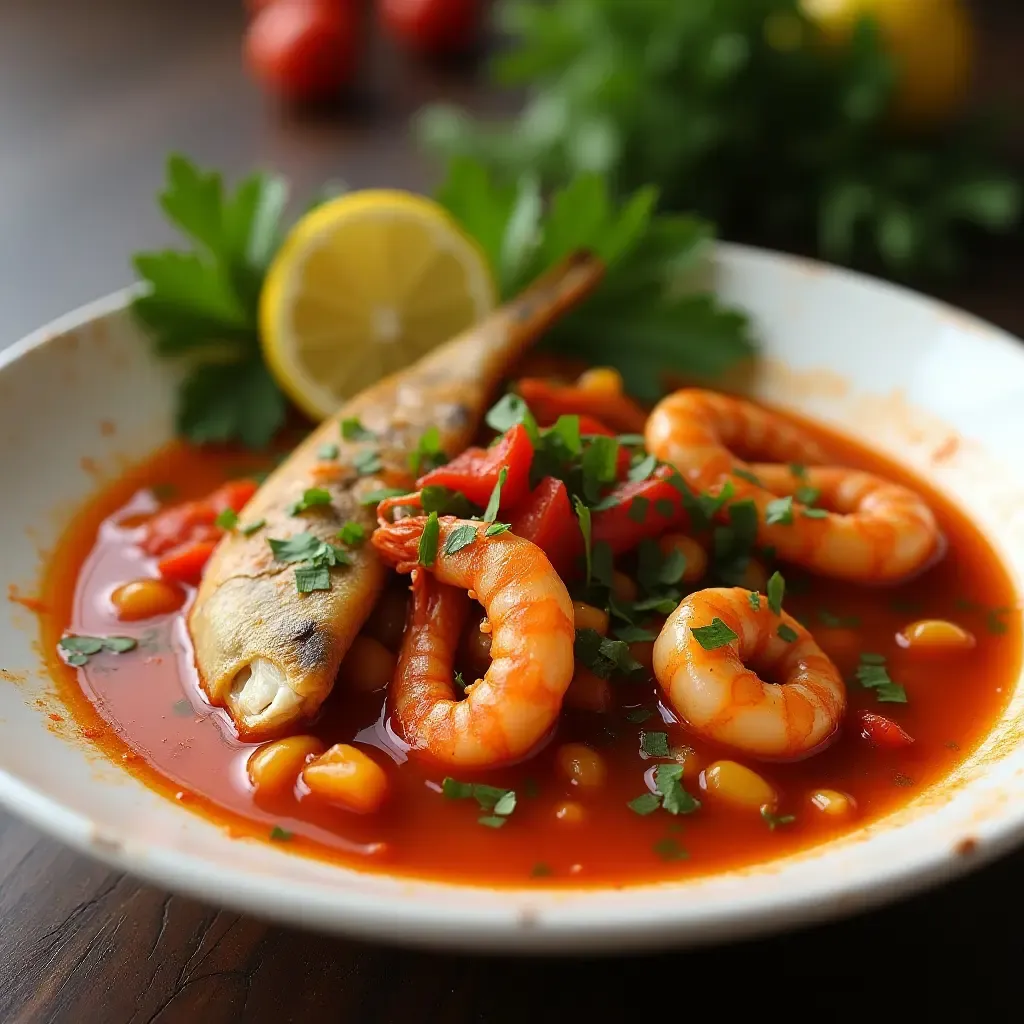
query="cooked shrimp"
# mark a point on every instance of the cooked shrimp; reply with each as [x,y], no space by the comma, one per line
[873,531]
[530,612]
[723,700]
[706,435]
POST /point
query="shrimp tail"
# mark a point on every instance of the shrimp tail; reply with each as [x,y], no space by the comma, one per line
[398,543]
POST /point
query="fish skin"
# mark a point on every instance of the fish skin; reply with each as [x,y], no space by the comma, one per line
[247,607]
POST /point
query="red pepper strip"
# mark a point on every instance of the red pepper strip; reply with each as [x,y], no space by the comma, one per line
[882,732]
[475,471]
[546,518]
[194,520]
[548,401]
[234,495]
[186,563]
[613,526]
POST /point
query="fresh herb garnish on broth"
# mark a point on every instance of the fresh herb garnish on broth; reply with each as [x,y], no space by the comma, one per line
[669,849]
[716,634]
[352,534]
[655,744]
[281,835]
[498,803]
[79,649]
[774,821]
[787,633]
[674,797]
[873,674]
[427,553]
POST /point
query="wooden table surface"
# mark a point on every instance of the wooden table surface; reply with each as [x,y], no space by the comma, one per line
[93,93]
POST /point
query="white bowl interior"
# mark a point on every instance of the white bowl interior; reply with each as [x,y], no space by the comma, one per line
[901,372]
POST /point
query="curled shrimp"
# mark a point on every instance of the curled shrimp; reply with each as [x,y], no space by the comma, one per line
[722,699]
[505,714]
[869,531]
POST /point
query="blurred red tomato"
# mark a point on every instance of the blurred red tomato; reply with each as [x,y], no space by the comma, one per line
[304,49]
[432,26]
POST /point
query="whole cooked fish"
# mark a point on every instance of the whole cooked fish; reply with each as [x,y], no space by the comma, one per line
[266,650]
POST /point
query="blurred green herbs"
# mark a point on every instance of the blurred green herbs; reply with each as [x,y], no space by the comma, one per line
[731,109]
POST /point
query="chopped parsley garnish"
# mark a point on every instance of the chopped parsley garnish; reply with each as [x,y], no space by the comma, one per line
[300,548]
[227,519]
[631,440]
[81,648]
[773,821]
[250,528]
[565,433]
[665,508]
[381,494]
[367,462]
[787,633]
[655,571]
[445,502]
[669,849]
[427,551]
[583,515]
[754,599]
[353,430]
[674,798]
[598,464]
[315,558]
[776,592]
[633,634]
[814,513]
[499,803]
[328,452]
[807,495]
[646,803]
[352,534]
[779,511]
[872,674]
[643,469]
[602,656]
[312,577]
[798,469]
[428,453]
[280,835]
[994,622]
[713,636]
[745,474]
[460,682]
[509,411]
[655,744]
[734,543]
[540,870]
[311,498]
[494,502]
[497,528]
[461,537]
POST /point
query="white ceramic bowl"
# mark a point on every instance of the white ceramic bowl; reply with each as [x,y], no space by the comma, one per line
[902,372]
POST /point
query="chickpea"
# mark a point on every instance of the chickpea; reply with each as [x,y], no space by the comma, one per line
[624,589]
[387,620]
[588,692]
[346,776]
[833,804]
[586,616]
[146,599]
[570,813]
[734,784]
[582,766]
[935,636]
[695,555]
[602,379]
[368,666]
[274,767]
[755,577]
[475,655]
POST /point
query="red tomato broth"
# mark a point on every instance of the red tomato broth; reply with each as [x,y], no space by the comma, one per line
[190,751]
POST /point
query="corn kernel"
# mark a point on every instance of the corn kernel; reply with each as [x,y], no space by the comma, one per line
[581,766]
[387,620]
[570,813]
[624,589]
[368,666]
[935,635]
[603,379]
[832,803]
[588,617]
[755,577]
[695,555]
[274,767]
[734,784]
[588,692]
[346,776]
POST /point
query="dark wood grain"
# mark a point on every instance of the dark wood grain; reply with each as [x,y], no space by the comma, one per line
[92,95]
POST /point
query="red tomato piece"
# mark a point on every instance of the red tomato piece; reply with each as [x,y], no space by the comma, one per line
[303,50]
[234,495]
[192,520]
[475,471]
[882,732]
[549,401]
[546,518]
[664,508]
[432,26]
[186,563]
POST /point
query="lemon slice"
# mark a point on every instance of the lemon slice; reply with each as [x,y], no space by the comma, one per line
[362,287]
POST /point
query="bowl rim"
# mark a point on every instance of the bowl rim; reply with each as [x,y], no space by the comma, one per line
[565,929]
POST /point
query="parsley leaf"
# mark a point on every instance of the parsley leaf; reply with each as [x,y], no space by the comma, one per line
[779,511]
[312,577]
[375,497]
[427,551]
[497,528]
[311,498]
[328,452]
[79,649]
[500,803]
[773,821]
[669,849]
[787,633]
[367,462]
[427,454]
[713,636]
[602,656]
[352,534]
[227,519]
[754,599]
[509,411]
[494,502]
[461,537]
[872,674]
[280,835]
[675,798]
[646,803]
[643,469]
[583,515]
[655,744]
[353,430]
[776,591]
